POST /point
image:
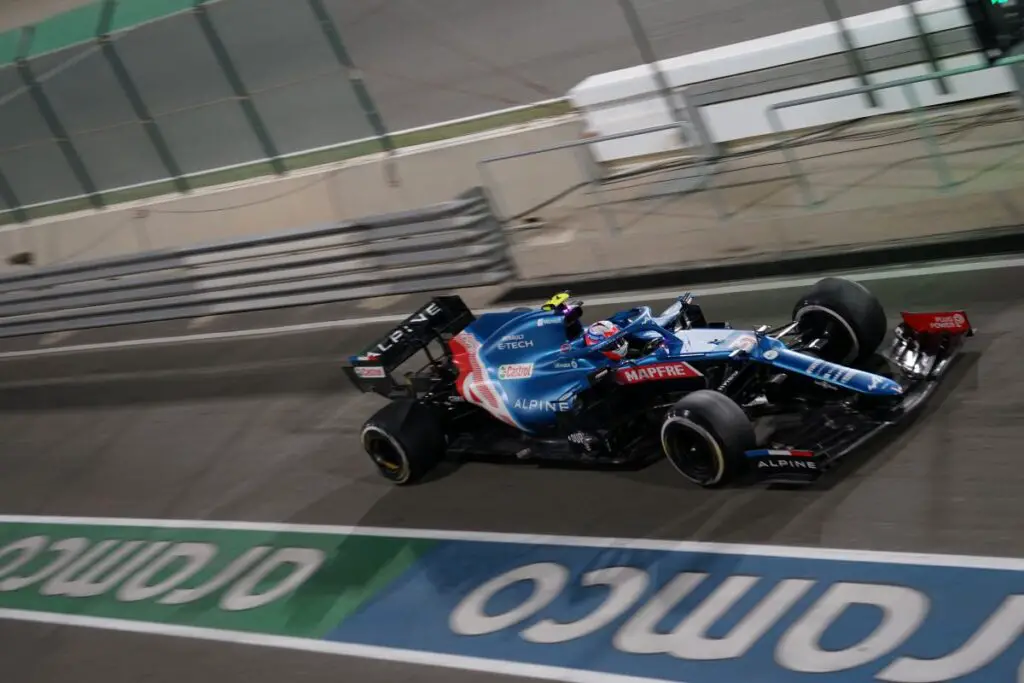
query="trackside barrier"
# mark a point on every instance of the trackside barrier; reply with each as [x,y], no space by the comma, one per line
[450,245]
[914,104]
[732,84]
[592,181]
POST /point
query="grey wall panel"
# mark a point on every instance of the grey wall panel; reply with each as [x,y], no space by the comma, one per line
[313,113]
[38,173]
[212,136]
[20,123]
[82,89]
[272,42]
[286,63]
[119,156]
[98,117]
[172,64]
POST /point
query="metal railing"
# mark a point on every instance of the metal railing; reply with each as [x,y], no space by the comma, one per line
[928,137]
[184,94]
[188,93]
[591,181]
[446,246]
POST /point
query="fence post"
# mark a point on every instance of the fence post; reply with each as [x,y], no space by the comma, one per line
[692,115]
[227,65]
[934,151]
[131,91]
[795,169]
[355,77]
[926,46]
[53,122]
[494,196]
[10,198]
[849,49]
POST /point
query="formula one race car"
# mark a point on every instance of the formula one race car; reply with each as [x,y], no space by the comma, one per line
[780,404]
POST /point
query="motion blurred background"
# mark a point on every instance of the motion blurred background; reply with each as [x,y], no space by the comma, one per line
[148,94]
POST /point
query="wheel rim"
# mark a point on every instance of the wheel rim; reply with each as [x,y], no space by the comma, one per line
[386,454]
[693,451]
[824,320]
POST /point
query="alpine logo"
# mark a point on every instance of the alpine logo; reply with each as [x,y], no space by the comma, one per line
[533,405]
[783,459]
[656,372]
[408,328]
[515,371]
[787,464]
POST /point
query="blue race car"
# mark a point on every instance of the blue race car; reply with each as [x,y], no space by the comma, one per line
[778,404]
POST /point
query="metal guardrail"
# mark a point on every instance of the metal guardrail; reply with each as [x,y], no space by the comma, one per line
[1015,63]
[699,177]
[446,246]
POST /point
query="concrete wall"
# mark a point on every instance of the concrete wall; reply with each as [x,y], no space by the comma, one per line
[734,85]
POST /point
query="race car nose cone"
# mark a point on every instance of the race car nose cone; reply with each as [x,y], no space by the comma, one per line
[886,387]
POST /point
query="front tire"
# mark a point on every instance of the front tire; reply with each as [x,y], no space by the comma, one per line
[847,314]
[405,440]
[706,436]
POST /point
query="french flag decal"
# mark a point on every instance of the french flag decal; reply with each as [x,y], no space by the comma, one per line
[775,453]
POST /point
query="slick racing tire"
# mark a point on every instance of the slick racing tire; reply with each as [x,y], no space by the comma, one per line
[842,306]
[706,436]
[404,440]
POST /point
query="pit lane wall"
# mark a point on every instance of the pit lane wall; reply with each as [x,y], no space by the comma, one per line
[733,85]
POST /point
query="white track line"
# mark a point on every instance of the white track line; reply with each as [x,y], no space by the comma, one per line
[596,542]
[387,654]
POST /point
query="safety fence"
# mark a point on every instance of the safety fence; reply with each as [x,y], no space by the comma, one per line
[451,245]
[123,94]
[939,159]
[121,99]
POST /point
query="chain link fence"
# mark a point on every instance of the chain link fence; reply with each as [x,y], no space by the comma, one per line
[123,99]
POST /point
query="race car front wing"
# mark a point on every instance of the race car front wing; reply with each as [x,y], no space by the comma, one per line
[924,347]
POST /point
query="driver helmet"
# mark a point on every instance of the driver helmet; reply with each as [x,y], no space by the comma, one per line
[602,330]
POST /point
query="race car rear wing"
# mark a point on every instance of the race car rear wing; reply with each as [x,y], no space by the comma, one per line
[436,321]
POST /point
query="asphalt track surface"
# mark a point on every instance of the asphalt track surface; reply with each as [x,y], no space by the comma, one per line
[265,430]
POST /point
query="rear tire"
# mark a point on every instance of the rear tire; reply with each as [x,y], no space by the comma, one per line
[846,306]
[405,440]
[706,436]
